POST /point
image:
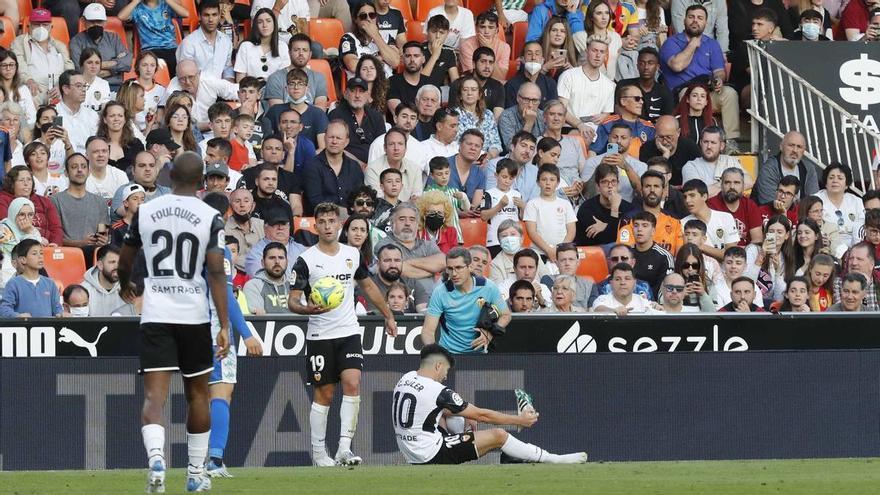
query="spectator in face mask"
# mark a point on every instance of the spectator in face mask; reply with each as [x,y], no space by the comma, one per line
[811,27]
[76,300]
[510,238]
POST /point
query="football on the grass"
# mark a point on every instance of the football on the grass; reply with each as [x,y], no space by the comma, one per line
[327,293]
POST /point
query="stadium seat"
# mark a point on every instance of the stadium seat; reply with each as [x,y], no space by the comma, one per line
[478,6]
[592,263]
[473,231]
[519,38]
[322,66]
[304,223]
[529,6]
[415,31]
[8,32]
[512,69]
[526,241]
[192,20]
[327,32]
[58,31]
[425,6]
[113,25]
[404,8]
[24,9]
[65,265]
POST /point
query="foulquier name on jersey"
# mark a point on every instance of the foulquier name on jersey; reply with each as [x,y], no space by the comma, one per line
[178,212]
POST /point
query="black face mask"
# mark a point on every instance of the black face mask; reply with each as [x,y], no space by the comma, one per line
[241,218]
[434,221]
[95,32]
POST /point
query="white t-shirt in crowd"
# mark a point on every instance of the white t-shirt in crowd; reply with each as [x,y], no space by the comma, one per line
[638,303]
[551,219]
[720,229]
[249,60]
[585,96]
[106,187]
[97,94]
[152,98]
[491,198]
[850,220]
[460,28]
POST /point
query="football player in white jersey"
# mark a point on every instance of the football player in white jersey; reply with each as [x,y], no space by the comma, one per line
[334,338]
[420,401]
[182,238]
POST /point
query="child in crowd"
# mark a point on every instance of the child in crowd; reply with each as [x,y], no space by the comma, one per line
[733,266]
[391,182]
[501,202]
[440,173]
[240,277]
[29,294]
[695,233]
[397,298]
[821,272]
[243,155]
[440,59]
[133,196]
[549,219]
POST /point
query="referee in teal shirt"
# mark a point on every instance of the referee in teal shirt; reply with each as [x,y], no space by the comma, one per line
[455,307]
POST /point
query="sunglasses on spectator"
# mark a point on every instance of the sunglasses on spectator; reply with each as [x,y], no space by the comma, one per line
[263,60]
[674,288]
[363,202]
[692,266]
[634,98]
[619,259]
[363,16]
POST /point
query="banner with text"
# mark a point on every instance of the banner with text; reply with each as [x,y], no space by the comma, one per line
[285,336]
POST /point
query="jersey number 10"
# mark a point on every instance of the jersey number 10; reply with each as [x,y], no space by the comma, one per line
[404,409]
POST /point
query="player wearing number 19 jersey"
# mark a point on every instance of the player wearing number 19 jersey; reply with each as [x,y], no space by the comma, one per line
[420,401]
[182,239]
[333,343]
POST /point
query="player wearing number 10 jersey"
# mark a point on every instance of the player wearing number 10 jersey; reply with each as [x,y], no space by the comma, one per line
[334,339]
[182,238]
[420,401]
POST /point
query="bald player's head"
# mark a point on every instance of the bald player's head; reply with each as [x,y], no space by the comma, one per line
[188,169]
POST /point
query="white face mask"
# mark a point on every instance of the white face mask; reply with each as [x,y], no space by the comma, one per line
[511,244]
[79,312]
[297,101]
[810,30]
[40,34]
[532,67]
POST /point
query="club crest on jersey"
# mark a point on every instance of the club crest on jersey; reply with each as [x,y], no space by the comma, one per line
[456,399]
[720,233]
[349,263]
[291,277]
[317,376]
[668,228]
[624,235]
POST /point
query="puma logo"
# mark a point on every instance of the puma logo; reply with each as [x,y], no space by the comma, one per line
[69,336]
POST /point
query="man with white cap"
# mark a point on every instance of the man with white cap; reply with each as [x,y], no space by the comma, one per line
[115,57]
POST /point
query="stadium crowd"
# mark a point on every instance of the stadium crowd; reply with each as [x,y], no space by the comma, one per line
[585,153]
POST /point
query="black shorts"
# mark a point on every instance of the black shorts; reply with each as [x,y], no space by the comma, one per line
[456,449]
[327,359]
[173,347]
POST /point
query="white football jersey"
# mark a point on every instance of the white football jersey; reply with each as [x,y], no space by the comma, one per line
[176,232]
[418,404]
[345,266]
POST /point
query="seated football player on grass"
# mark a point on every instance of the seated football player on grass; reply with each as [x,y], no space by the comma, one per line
[423,440]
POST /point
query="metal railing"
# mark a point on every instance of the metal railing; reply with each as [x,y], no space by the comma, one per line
[782,101]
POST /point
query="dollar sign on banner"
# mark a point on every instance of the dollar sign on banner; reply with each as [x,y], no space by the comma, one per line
[864,77]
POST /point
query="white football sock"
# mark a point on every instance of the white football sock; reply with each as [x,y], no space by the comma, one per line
[525,451]
[348,414]
[197,448]
[154,442]
[318,427]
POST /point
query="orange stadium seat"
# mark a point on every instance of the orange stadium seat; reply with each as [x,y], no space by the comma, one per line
[327,32]
[192,20]
[58,30]
[24,9]
[322,66]
[592,263]
[425,6]
[415,31]
[404,8]
[65,265]
[473,231]
[519,38]
[304,223]
[8,32]
[512,69]
[478,6]
[526,241]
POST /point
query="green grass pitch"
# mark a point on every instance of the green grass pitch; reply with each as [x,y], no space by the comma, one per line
[802,477]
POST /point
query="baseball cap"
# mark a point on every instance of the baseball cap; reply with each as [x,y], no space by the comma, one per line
[217,169]
[277,217]
[40,15]
[94,12]
[357,82]
[161,136]
[130,189]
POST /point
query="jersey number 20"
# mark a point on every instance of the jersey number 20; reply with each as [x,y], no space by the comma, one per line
[185,268]
[404,409]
